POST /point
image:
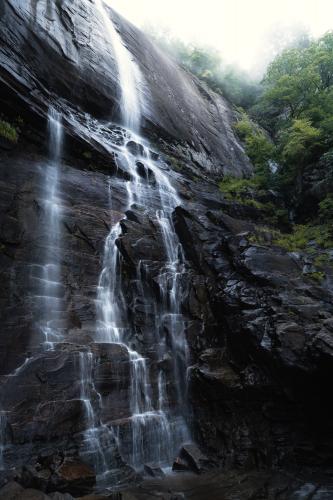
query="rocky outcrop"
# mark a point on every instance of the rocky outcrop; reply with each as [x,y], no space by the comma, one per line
[54,50]
[259,330]
[264,371]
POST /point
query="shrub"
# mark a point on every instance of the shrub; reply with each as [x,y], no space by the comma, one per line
[317,276]
[244,128]
[7,131]
[322,260]
[234,187]
[303,234]
[259,149]
[326,208]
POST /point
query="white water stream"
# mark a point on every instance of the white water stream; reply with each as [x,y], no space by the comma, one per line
[157,429]
[156,425]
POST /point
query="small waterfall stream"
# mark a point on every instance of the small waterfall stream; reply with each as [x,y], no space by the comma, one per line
[3,423]
[48,275]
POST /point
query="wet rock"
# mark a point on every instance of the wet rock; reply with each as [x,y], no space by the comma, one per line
[13,491]
[194,457]
[73,477]
[135,148]
[60,496]
[145,172]
[153,470]
[197,119]
[35,476]
[260,345]
[180,465]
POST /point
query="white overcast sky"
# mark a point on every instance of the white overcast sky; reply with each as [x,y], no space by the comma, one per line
[238,28]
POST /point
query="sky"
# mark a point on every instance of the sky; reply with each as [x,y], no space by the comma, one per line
[239,29]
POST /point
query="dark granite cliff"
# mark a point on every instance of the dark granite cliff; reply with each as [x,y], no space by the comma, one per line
[260,334]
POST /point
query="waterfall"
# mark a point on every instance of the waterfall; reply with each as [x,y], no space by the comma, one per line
[48,275]
[3,423]
[97,437]
[157,429]
[129,75]
[154,426]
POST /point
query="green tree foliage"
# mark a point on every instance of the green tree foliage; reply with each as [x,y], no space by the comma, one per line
[293,107]
[259,149]
[296,108]
[298,141]
[298,84]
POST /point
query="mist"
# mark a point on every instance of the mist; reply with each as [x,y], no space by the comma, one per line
[247,34]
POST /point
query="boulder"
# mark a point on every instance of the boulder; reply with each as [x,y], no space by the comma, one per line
[180,465]
[197,461]
[73,476]
[13,491]
[153,470]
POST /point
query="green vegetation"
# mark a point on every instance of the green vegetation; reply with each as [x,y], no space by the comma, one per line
[296,109]
[320,238]
[316,275]
[326,208]
[259,148]
[286,125]
[8,131]
[236,187]
[299,238]
[175,163]
[323,260]
[291,126]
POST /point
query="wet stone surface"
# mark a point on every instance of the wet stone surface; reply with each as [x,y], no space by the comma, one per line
[205,327]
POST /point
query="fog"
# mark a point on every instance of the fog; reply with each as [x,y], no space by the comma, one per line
[246,32]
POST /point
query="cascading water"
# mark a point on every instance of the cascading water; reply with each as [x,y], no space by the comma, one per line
[3,423]
[129,75]
[157,430]
[155,424]
[97,437]
[48,275]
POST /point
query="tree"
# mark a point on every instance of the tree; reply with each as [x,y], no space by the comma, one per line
[300,140]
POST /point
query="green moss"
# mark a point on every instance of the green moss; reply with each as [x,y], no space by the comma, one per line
[297,240]
[175,164]
[317,276]
[251,202]
[256,239]
[322,260]
[233,187]
[8,132]
[245,192]
[263,235]
[326,208]
[301,235]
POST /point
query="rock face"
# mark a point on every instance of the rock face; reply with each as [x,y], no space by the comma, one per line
[260,334]
[70,58]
